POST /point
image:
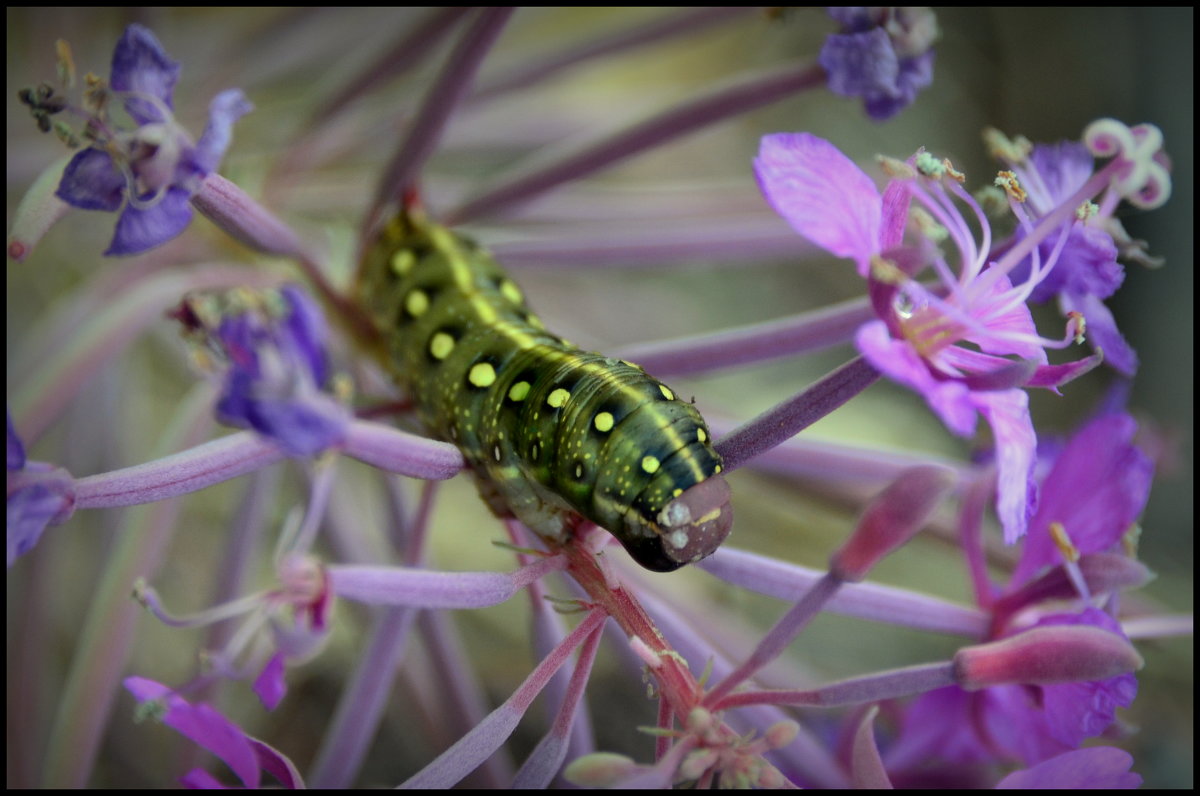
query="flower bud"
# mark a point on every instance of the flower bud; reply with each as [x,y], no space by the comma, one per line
[1046,656]
[891,520]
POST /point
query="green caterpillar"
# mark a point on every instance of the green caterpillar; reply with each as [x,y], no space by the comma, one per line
[550,431]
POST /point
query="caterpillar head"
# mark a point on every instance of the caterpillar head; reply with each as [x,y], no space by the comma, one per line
[689,528]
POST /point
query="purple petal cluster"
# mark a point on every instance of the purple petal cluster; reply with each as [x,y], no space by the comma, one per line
[882,55]
[1086,272]
[150,173]
[953,348]
[39,494]
[1094,491]
[278,374]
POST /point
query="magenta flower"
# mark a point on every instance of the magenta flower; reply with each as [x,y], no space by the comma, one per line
[968,345]
[949,347]
[150,173]
[1094,492]
[247,757]
[1026,723]
[1087,271]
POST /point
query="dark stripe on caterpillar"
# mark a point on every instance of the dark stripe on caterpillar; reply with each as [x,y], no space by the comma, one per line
[550,431]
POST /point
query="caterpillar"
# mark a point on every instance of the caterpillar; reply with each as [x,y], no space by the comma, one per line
[550,432]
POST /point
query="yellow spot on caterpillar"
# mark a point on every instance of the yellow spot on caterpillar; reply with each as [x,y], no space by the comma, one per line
[677,492]
[666,391]
[496,452]
[403,262]
[717,469]
[650,464]
[604,421]
[440,345]
[416,303]
[558,398]
[511,291]
[701,435]
[578,470]
[482,374]
[519,391]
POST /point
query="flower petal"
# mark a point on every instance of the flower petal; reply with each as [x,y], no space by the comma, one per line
[822,194]
[1096,768]
[1096,488]
[949,398]
[141,65]
[1007,412]
[270,685]
[16,451]
[141,230]
[203,725]
[1102,331]
[92,181]
[225,109]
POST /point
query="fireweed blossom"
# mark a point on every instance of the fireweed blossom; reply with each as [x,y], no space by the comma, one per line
[364,586]
[1072,569]
[1087,270]
[969,345]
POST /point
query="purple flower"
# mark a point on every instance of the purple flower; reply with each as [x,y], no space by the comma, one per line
[882,55]
[1095,490]
[247,757]
[277,371]
[1087,271]
[1027,723]
[39,494]
[953,345]
[150,173]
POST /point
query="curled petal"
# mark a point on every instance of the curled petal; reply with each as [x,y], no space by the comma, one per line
[203,725]
[225,109]
[1145,181]
[141,65]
